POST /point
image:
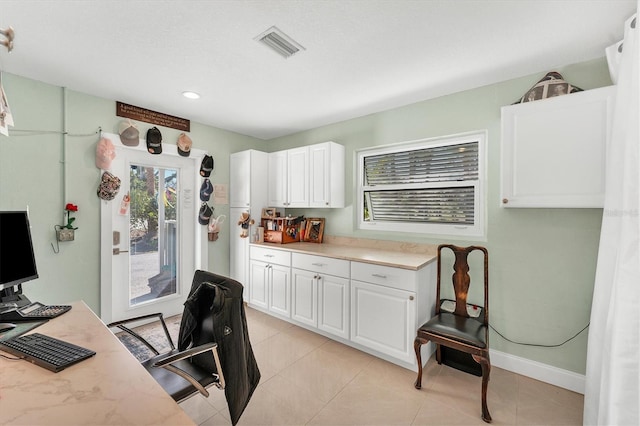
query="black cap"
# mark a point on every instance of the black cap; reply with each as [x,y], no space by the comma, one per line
[205,214]
[207,166]
[154,141]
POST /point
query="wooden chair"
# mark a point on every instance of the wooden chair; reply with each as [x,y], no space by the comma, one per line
[453,327]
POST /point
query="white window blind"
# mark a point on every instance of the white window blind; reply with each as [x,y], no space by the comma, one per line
[429,186]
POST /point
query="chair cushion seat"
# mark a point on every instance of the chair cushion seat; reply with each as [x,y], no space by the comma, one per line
[175,385]
[465,330]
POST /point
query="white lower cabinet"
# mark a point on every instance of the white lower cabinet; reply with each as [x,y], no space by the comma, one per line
[304,286]
[388,305]
[333,305]
[382,319]
[270,281]
[320,293]
[372,307]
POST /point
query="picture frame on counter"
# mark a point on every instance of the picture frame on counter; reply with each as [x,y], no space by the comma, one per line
[314,230]
[269,213]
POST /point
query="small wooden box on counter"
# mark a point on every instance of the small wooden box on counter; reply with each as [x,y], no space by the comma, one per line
[280,230]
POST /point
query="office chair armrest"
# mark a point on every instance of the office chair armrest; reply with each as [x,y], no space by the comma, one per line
[122,326]
[168,362]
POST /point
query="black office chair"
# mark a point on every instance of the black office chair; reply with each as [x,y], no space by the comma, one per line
[453,327]
[173,369]
[213,343]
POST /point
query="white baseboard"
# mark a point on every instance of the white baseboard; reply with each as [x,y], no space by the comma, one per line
[539,371]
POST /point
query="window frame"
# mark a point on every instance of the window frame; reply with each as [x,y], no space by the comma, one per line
[475,231]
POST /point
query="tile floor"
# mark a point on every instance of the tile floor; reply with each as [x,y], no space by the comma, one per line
[308,379]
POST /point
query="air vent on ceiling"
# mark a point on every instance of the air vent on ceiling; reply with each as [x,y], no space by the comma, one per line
[279,42]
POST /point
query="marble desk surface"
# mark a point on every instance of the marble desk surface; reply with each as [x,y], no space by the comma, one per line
[110,388]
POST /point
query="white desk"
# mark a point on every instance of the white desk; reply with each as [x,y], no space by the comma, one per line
[110,388]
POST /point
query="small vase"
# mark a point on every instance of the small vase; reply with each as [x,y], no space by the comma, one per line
[65,234]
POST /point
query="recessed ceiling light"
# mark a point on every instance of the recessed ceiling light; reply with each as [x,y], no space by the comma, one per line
[191,95]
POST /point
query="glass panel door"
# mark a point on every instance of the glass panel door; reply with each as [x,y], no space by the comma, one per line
[153,233]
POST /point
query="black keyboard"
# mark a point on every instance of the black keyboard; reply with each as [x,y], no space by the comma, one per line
[45,351]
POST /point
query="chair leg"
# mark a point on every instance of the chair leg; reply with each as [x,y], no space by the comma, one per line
[486,371]
[417,344]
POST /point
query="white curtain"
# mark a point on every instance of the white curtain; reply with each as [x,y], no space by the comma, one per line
[612,391]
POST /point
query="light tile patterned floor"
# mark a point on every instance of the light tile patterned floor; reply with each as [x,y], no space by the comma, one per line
[309,379]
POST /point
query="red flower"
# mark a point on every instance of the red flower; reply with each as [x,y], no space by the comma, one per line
[71,207]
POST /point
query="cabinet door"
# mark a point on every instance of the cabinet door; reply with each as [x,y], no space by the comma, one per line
[277,179]
[553,150]
[319,180]
[326,175]
[240,179]
[304,296]
[239,255]
[333,305]
[280,290]
[298,177]
[383,319]
[260,273]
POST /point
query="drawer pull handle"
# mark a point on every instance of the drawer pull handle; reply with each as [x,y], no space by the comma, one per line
[269,255]
[384,277]
[318,264]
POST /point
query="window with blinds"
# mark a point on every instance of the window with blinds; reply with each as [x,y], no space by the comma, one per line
[427,186]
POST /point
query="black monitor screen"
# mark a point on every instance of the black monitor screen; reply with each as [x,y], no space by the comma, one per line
[17,263]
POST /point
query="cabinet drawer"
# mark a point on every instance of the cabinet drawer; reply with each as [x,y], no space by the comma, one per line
[278,257]
[327,265]
[402,279]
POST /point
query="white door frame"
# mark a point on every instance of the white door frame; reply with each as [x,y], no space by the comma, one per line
[190,201]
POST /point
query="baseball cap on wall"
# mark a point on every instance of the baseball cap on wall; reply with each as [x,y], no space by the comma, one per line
[105,153]
[205,190]
[154,141]
[129,135]
[184,145]
[206,167]
[205,214]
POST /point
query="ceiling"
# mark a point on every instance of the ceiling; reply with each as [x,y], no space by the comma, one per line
[360,56]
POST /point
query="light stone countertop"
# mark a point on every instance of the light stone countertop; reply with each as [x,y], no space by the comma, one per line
[110,388]
[387,253]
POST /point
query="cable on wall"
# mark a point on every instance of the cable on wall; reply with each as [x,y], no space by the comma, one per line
[540,345]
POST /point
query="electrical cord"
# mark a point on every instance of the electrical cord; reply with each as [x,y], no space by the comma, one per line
[11,358]
[539,344]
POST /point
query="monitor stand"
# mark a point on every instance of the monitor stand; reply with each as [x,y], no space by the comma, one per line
[8,298]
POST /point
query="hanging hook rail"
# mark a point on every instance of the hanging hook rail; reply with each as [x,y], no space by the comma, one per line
[10,35]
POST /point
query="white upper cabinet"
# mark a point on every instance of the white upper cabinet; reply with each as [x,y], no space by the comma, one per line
[298,177]
[308,176]
[278,179]
[289,178]
[326,170]
[247,174]
[553,150]
[240,179]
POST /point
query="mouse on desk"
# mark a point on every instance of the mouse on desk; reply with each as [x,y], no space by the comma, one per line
[6,326]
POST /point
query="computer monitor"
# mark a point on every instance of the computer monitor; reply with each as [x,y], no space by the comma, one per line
[17,262]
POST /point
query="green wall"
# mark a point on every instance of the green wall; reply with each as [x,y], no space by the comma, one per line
[34,168]
[542,261]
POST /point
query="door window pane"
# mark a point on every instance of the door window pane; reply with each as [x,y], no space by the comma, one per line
[153,233]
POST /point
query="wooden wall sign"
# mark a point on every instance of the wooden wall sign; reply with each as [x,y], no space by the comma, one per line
[153,117]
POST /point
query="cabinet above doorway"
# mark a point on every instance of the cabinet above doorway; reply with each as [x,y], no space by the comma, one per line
[308,176]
